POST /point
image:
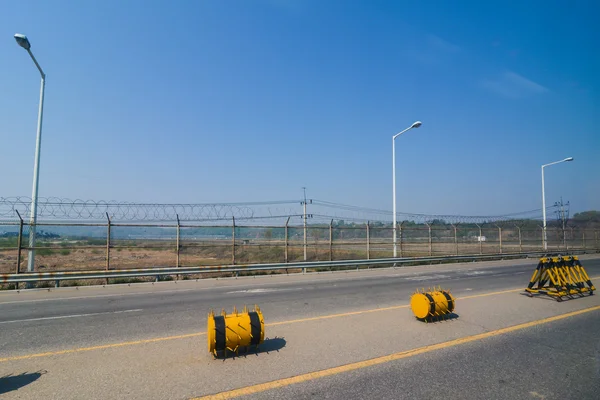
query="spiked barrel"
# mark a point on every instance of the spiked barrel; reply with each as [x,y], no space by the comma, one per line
[432,303]
[234,331]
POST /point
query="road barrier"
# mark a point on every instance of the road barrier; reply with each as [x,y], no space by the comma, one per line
[560,277]
[234,331]
[432,304]
[305,266]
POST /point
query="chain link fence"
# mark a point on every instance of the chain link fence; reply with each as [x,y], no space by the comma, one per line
[96,246]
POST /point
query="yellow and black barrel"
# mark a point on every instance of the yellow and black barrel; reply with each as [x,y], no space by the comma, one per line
[234,331]
[432,303]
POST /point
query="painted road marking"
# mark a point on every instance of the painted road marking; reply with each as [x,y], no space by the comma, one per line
[262,290]
[245,391]
[69,316]
[190,335]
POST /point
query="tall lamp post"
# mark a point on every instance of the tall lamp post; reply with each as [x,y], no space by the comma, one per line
[24,43]
[415,125]
[545,239]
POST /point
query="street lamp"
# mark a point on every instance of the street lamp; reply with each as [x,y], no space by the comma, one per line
[415,125]
[24,43]
[545,239]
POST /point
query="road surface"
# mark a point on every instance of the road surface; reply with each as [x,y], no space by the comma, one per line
[148,341]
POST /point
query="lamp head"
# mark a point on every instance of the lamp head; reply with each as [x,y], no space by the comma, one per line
[22,41]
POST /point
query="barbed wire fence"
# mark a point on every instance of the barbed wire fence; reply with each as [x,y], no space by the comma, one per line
[59,209]
[85,234]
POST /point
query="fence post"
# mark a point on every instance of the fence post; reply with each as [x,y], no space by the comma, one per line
[368,241]
[19,244]
[520,241]
[480,240]
[107,245]
[571,228]
[331,241]
[400,232]
[233,242]
[499,238]
[178,246]
[596,234]
[430,241]
[286,240]
[583,238]
[455,240]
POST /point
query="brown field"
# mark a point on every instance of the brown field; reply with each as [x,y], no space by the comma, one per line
[73,255]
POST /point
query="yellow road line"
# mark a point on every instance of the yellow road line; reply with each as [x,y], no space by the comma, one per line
[100,347]
[385,359]
[161,339]
[347,314]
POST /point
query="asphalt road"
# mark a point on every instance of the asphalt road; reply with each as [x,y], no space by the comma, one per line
[560,360]
[49,320]
[148,341]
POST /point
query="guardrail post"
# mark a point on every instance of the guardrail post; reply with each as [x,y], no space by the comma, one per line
[19,244]
[107,245]
[430,241]
[331,241]
[368,242]
[455,240]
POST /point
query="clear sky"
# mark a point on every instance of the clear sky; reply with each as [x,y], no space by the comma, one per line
[232,101]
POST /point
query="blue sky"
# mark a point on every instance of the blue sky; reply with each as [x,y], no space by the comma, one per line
[232,101]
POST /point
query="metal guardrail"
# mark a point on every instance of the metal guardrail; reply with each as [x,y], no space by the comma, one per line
[163,271]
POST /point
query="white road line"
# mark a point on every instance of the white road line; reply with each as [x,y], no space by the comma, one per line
[264,290]
[69,316]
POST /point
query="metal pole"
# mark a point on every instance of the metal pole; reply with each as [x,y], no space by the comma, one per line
[305,237]
[430,241]
[19,244]
[401,237]
[583,238]
[543,242]
[544,239]
[286,240]
[233,242]
[178,246]
[455,240]
[368,242]
[480,240]
[520,239]
[36,171]
[108,243]
[500,237]
[394,192]
[331,241]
